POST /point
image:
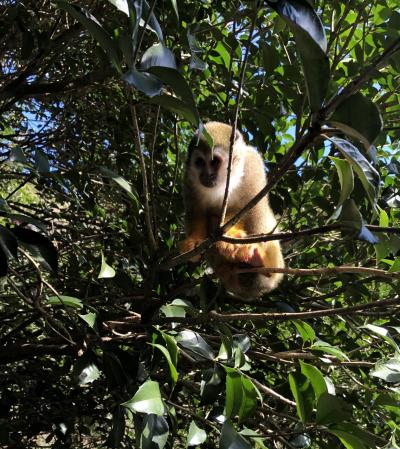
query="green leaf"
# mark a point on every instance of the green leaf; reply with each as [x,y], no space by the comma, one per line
[346,178]
[315,377]
[233,392]
[196,435]
[17,155]
[157,56]
[195,50]
[310,39]
[68,301]
[42,162]
[255,437]
[359,117]
[177,82]
[298,397]
[396,266]
[305,330]
[175,6]
[195,344]
[152,22]
[352,223]
[270,57]
[212,383]
[178,107]
[123,183]
[388,244]
[369,177]
[105,270]
[249,398]
[95,29]
[8,242]
[352,437]
[172,347]
[329,349]
[85,369]
[332,409]
[300,13]
[122,5]
[384,334]
[172,367]
[155,431]
[89,318]
[147,399]
[230,439]
[388,370]
[176,309]
[147,83]
[39,246]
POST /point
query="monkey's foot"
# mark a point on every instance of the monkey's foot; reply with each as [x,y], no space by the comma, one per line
[188,245]
[253,257]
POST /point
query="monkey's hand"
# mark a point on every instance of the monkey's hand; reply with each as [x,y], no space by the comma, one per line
[189,244]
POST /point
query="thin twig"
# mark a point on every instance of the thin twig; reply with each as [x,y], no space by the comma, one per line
[147,213]
[152,184]
[235,116]
[324,271]
[270,391]
[277,316]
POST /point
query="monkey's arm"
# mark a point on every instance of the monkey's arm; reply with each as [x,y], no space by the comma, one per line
[196,227]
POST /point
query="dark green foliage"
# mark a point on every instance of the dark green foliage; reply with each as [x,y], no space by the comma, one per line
[102,345]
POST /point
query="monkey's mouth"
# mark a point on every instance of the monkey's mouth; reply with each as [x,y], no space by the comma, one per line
[207,182]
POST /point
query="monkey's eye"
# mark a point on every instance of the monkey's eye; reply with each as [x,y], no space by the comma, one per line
[216,162]
[199,162]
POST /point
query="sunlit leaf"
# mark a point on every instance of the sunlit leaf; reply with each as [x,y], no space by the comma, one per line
[62,300]
[346,178]
[172,366]
[147,399]
[368,175]
[105,270]
[155,431]
[352,222]
[195,344]
[157,56]
[196,435]
[315,377]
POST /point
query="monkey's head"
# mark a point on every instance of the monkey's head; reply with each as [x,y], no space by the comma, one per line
[207,167]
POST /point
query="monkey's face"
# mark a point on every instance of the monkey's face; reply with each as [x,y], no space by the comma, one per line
[210,167]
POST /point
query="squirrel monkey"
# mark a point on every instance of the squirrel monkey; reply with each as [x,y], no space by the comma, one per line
[204,188]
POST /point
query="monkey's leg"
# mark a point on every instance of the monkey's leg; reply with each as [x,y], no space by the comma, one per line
[229,250]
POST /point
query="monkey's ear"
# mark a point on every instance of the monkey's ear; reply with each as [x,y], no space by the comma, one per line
[238,136]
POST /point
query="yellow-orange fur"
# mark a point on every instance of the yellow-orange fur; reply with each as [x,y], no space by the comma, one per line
[203,208]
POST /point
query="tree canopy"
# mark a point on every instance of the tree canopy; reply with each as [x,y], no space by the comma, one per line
[110,338]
